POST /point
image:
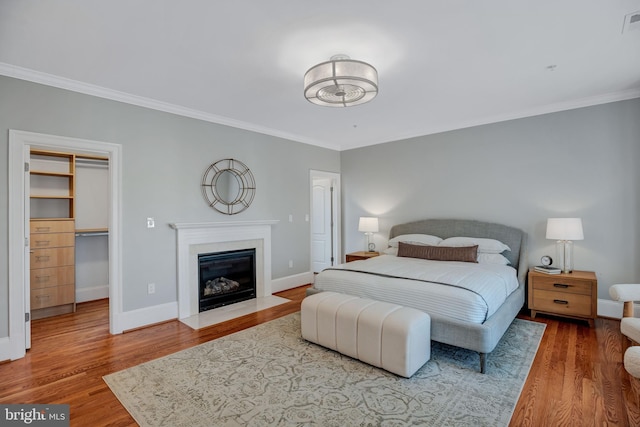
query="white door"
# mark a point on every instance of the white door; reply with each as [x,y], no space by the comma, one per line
[324,221]
[27,250]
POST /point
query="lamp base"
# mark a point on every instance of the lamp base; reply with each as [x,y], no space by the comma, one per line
[564,254]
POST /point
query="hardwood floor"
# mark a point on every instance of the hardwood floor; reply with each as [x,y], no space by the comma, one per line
[577,377]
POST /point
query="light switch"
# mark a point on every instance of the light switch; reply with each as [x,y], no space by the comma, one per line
[290,218]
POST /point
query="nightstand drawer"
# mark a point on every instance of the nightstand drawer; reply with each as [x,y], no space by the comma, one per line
[570,304]
[558,284]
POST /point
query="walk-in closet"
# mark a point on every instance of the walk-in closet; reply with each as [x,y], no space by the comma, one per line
[69,259]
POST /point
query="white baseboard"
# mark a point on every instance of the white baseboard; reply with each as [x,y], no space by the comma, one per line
[161,313]
[146,316]
[613,309]
[5,349]
[92,294]
[290,282]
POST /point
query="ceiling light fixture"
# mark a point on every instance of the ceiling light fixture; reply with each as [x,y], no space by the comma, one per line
[341,82]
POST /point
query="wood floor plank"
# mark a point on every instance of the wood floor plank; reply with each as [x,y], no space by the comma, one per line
[577,377]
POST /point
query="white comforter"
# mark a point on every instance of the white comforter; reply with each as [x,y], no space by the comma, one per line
[465,291]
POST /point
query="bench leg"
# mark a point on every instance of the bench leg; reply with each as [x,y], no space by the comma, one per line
[483,362]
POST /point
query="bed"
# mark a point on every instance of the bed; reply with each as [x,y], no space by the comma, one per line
[437,287]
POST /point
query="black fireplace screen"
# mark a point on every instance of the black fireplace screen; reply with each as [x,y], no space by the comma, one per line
[226,278]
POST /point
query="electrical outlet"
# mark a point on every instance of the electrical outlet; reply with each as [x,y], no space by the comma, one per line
[290,263]
[151,223]
[290,218]
[151,288]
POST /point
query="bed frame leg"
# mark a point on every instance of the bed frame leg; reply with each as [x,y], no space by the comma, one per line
[483,362]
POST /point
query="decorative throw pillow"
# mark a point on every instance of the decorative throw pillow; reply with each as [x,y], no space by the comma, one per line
[439,253]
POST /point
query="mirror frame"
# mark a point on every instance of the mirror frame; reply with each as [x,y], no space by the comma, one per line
[246,184]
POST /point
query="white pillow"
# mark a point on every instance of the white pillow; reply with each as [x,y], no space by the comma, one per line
[492,259]
[391,251]
[415,239]
[487,246]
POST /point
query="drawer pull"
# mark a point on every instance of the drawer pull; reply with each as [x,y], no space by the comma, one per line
[43,296]
[43,278]
[43,242]
[560,285]
[43,228]
[42,257]
[560,301]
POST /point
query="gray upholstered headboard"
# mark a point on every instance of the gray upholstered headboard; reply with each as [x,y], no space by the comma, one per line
[515,238]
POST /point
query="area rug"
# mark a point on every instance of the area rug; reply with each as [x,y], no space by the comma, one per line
[269,376]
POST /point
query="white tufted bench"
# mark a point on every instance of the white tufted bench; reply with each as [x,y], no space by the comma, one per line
[388,336]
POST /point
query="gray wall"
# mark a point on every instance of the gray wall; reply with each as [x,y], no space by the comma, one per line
[581,163]
[164,157]
[574,163]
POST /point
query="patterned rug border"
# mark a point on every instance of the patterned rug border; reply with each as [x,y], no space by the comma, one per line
[285,380]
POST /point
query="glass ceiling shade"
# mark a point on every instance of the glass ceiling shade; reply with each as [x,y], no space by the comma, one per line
[341,82]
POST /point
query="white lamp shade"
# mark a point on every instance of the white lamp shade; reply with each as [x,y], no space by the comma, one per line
[564,229]
[368,224]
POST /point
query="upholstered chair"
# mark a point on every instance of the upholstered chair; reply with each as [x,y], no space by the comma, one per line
[629,325]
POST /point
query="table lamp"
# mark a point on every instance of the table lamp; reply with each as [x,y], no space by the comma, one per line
[368,225]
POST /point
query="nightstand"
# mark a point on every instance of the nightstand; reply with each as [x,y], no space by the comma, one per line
[573,295]
[357,256]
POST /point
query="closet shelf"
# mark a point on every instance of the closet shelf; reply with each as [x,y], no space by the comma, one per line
[35,196]
[48,173]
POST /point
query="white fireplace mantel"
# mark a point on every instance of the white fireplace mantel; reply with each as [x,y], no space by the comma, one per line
[197,225]
[202,237]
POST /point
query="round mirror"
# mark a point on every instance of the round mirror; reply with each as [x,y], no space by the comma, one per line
[228,186]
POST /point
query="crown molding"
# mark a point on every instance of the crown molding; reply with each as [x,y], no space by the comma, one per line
[27,74]
[538,111]
[114,95]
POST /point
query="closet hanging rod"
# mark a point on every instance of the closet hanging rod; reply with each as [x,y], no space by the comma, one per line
[94,233]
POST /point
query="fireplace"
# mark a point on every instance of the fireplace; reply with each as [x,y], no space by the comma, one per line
[194,239]
[226,278]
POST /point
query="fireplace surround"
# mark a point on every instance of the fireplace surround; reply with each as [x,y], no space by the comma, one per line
[210,237]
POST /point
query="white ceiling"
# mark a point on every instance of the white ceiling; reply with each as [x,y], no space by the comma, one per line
[442,64]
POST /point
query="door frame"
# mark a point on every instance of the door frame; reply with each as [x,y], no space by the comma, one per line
[337,213]
[20,143]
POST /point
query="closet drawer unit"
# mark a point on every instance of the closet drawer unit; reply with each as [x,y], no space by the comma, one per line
[52,240]
[48,226]
[53,296]
[46,258]
[47,277]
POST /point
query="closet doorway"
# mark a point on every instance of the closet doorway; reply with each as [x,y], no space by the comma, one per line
[98,162]
[325,220]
